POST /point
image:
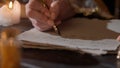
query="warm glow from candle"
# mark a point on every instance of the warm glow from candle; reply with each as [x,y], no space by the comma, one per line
[10,5]
[3,36]
[10,55]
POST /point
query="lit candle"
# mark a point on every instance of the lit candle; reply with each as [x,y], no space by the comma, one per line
[9,49]
[10,14]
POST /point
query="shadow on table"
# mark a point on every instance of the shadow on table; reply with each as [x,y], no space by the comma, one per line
[60,56]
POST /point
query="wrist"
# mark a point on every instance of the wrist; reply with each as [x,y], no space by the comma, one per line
[66,11]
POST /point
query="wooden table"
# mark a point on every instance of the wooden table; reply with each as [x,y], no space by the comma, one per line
[67,59]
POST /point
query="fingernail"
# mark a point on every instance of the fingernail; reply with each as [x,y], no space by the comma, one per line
[54,3]
[118,38]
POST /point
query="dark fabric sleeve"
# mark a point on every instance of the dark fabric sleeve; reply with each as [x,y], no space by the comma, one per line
[88,7]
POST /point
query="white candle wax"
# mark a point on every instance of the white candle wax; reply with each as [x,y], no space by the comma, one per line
[10,16]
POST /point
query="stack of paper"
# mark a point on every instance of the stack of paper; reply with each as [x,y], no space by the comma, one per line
[36,39]
[45,40]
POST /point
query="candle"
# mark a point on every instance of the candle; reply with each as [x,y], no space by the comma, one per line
[9,49]
[10,14]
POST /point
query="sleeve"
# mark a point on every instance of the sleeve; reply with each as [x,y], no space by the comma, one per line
[88,7]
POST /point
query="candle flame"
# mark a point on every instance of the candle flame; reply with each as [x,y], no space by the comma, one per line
[10,5]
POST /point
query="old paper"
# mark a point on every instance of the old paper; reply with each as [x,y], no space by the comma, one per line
[114,25]
[89,35]
[34,35]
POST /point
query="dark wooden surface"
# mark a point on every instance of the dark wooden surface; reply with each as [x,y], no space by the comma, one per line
[117,9]
[68,59]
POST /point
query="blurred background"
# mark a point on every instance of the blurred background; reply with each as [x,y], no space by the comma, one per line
[113,6]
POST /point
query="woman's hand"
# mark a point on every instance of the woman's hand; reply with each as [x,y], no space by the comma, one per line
[42,17]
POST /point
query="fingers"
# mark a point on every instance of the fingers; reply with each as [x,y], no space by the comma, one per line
[36,15]
[54,9]
[36,5]
[41,17]
[48,2]
[41,26]
[118,38]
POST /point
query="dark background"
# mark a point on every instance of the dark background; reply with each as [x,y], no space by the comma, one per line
[110,4]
